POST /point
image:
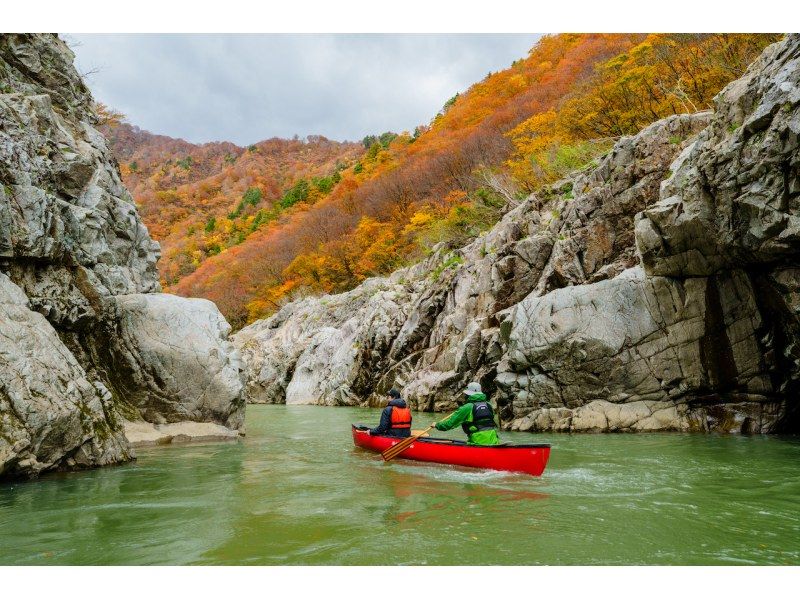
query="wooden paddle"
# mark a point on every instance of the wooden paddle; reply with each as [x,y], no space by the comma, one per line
[398,448]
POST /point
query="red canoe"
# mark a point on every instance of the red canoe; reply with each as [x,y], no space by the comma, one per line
[522,458]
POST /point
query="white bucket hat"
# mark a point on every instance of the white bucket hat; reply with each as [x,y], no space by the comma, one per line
[472,389]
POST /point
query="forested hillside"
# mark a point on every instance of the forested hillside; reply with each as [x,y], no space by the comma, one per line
[338,214]
[200,200]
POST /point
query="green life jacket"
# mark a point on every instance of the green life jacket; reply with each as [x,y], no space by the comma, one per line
[482,418]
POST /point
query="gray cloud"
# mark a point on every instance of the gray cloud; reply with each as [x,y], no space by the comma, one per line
[245,88]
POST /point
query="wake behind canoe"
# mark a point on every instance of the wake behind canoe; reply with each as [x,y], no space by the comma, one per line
[519,458]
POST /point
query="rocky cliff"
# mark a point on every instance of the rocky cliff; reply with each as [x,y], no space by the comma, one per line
[655,290]
[87,341]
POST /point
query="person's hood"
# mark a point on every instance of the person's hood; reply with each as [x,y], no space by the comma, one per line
[476,398]
[397,403]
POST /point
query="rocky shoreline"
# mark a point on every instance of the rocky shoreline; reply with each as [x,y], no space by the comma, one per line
[141,433]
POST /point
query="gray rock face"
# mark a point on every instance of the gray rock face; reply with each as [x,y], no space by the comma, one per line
[733,198]
[297,357]
[80,265]
[609,355]
[62,200]
[50,412]
[171,360]
[655,291]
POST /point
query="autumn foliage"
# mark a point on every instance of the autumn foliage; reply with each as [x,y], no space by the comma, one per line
[662,75]
[252,229]
[199,200]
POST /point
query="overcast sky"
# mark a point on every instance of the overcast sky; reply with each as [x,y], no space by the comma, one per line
[245,88]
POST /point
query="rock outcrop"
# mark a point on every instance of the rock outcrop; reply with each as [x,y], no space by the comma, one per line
[170,359]
[87,337]
[50,412]
[432,327]
[657,290]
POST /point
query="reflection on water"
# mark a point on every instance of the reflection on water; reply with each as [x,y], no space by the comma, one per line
[297,492]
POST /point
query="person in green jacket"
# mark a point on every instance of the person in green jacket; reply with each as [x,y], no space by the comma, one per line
[475,416]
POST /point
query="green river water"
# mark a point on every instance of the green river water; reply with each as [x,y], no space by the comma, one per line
[296,491]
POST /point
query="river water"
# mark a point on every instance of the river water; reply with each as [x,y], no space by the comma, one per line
[296,491]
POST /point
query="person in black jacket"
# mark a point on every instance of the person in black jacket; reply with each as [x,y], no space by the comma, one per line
[395,418]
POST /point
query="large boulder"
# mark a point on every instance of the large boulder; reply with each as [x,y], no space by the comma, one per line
[171,360]
[609,355]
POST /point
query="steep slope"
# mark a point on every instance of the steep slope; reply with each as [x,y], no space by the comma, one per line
[654,291]
[85,335]
[198,200]
[427,327]
[436,167]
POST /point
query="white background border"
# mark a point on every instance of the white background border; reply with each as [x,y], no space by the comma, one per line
[84,16]
[397,16]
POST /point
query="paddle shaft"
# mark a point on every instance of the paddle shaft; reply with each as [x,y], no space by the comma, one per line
[398,448]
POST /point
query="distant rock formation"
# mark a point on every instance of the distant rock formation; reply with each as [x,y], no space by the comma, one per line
[85,336]
[657,290]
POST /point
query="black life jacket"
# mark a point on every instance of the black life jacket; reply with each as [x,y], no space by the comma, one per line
[482,418]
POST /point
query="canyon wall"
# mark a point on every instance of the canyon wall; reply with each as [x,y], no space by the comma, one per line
[87,341]
[655,290]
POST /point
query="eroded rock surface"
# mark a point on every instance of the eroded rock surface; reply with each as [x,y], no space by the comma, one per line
[50,412]
[657,290]
[79,268]
[171,360]
[638,353]
[298,357]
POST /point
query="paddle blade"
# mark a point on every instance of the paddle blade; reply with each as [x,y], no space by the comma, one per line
[398,448]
